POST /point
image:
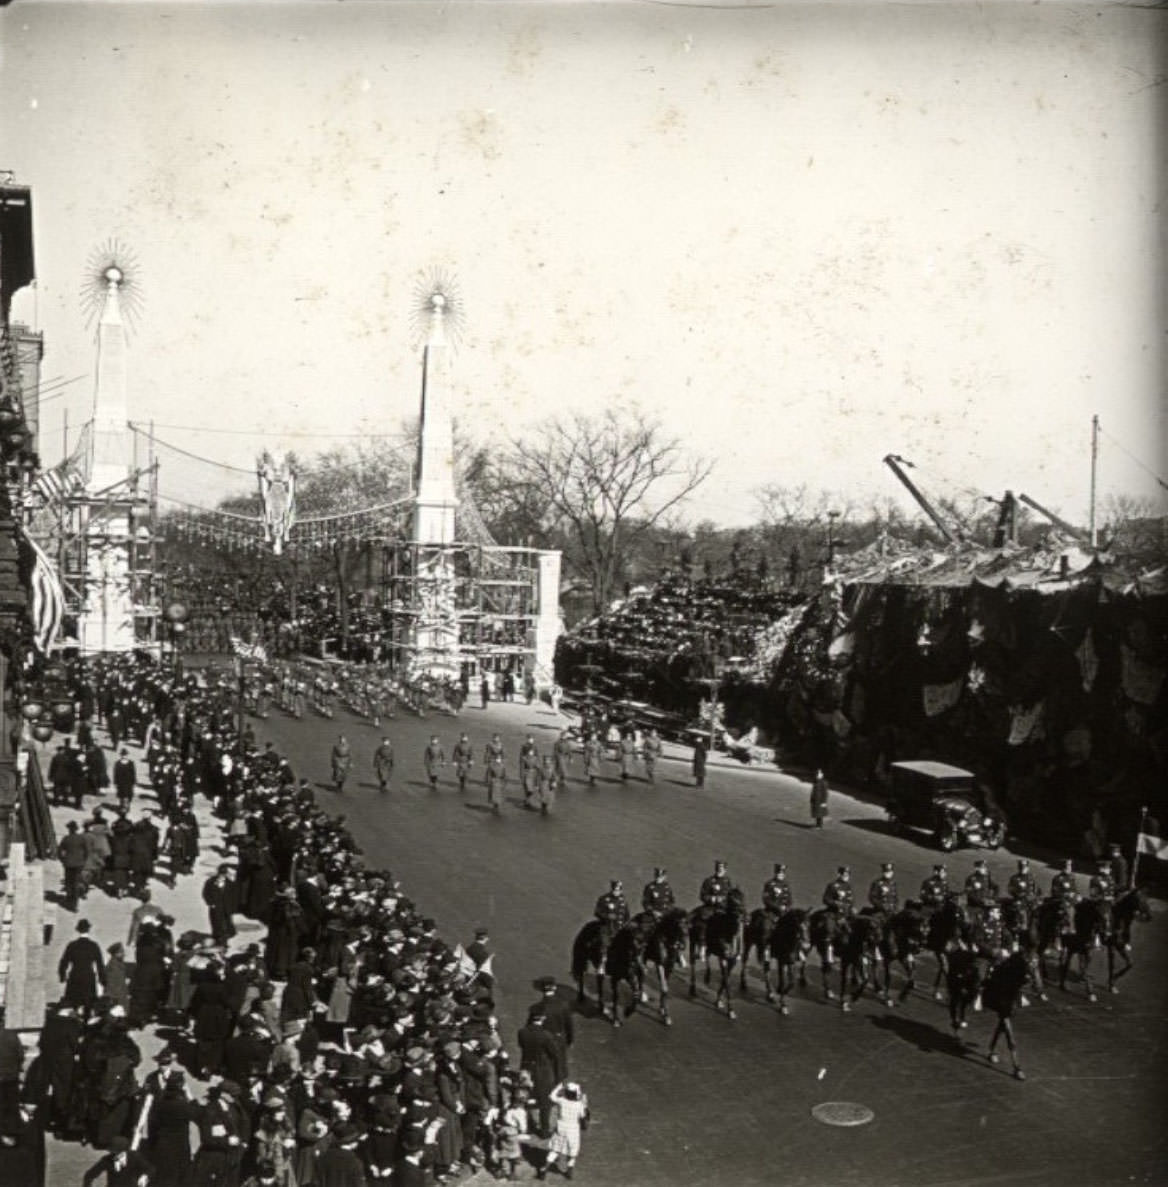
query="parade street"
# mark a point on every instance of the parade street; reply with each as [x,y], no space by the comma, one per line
[715,1101]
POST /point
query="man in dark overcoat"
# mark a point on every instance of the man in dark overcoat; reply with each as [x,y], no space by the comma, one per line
[82,970]
[541,1055]
[219,895]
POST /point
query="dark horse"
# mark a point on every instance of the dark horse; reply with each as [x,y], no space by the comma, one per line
[859,956]
[719,937]
[1128,907]
[786,941]
[589,951]
[1021,931]
[829,930]
[904,937]
[1092,929]
[664,949]
[1001,993]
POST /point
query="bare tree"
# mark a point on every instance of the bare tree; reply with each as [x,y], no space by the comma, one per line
[605,482]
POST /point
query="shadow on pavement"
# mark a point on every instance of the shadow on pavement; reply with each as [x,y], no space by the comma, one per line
[793,823]
[884,828]
[922,1036]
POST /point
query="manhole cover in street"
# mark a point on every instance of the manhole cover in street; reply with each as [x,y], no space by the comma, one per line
[842,1112]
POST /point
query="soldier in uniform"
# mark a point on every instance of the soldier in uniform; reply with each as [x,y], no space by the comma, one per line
[837,897]
[593,753]
[980,888]
[1120,873]
[463,760]
[934,888]
[883,894]
[776,892]
[496,772]
[383,763]
[528,768]
[657,897]
[626,749]
[612,910]
[433,757]
[1023,887]
[987,932]
[1064,892]
[562,755]
[1101,889]
[714,891]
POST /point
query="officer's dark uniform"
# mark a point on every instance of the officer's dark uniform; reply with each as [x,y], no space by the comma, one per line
[933,891]
[657,897]
[1101,889]
[776,895]
[838,896]
[613,911]
[1023,888]
[981,890]
[463,754]
[713,893]
[1119,870]
[883,894]
[1065,892]
[987,932]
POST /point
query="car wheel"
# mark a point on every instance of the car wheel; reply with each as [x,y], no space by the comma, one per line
[995,836]
[947,841]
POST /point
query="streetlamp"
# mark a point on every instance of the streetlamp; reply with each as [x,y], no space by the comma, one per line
[176,615]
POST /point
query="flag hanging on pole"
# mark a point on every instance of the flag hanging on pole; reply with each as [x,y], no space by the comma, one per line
[48,599]
[1152,846]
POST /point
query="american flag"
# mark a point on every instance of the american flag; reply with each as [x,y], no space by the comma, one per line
[48,599]
[53,485]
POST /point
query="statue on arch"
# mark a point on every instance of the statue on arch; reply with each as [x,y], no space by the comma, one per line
[278,496]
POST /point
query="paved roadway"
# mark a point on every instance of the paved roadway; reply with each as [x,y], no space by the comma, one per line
[718,1102]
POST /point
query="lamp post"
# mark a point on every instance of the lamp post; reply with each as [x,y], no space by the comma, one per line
[176,615]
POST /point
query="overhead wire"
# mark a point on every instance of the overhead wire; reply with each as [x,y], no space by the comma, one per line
[1132,457]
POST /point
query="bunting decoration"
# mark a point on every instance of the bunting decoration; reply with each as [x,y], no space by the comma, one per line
[1026,724]
[48,599]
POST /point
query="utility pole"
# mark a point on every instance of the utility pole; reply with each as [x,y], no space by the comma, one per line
[1094,467]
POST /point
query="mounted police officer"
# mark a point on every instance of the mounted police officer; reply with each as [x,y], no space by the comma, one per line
[987,932]
[776,892]
[980,888]
[612,910]
[715,889]
[838,897]
[883,894]
[657,897]
[935,888]
[1101,889]
[1065,892]
[1023,886]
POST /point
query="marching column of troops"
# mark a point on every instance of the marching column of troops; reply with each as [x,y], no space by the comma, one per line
[353,1046]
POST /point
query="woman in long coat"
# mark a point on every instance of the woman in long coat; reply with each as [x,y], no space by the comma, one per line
[168,1130]
[117,977]
[284,928]
[151,975]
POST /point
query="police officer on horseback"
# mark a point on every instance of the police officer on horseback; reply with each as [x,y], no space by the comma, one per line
[883,894]
[715,889]
[1101,889]
[1023,886]
[838,897]
[980,888]
[935,888]
[987,932]
[1064,892]
[776,892]
[657,897]
[612,910]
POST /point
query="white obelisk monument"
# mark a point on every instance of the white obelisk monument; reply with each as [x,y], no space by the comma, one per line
[107,618]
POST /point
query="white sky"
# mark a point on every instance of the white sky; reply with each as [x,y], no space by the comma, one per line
[806,236]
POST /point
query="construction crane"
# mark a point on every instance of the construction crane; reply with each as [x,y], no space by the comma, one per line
[894,462]
[1077,533]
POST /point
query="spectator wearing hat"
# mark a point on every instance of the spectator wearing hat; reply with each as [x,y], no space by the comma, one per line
[146,909]
[274,1139]
[117,987]
[60,1049]
[153,961]
[222,1139]
[1120,873]
[339,1165]
[144,846]
[285,928]
[167,1144]
[82,970]
[541,1055]
[219,895]
[819,799]
[71,853]
[121,833]
[558,1021]
[120,1166]
[125,776]
[97,852]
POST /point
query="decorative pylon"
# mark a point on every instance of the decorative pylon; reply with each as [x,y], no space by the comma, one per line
[435,501]
[111,431]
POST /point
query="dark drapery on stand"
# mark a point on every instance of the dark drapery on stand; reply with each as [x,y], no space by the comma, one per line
[34,824]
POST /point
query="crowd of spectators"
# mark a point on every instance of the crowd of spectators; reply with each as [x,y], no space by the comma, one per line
[352,1046]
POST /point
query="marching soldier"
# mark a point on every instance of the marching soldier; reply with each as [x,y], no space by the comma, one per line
[593,753]
[1064,892]
[546,784]
[657,897]
[433,757]
[1023,887]
[463,760]
[612,910]
[383,763]
[562,755]
[626,748]
[776,892]
[883,894]
[980,888]
[493,749]
[496,773]
[1119,867]
[935,888]
[987,932]
[838,895]
[528,768]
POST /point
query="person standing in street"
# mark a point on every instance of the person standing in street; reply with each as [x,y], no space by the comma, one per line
[819,799]
[81,970]
[71,852]
[341,760]
[383,763]
[125,779]
[701,750]
[463,761]
[219,895]
[434,757]
[540,1056]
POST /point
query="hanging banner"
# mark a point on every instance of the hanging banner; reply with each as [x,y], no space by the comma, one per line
[1088,660]
[1025,724]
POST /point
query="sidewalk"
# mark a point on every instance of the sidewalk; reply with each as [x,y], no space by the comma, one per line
[110,917]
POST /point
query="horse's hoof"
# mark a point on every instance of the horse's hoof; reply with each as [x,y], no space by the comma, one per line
[770,996]
[1042,997]
[994,1057]
[616,1022]
[1092,997]
[667,1020]
[1113,989]
[693,991]
[977,1007]
[784,1010]
[1023,1000]
[889,1003]
[731,1015]
[963,1024]
[938,996]
[829,995]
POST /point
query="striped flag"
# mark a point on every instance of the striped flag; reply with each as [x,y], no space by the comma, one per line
[48,599]
[53,485]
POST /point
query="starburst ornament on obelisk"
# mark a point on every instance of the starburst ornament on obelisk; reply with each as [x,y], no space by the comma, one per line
[113,263]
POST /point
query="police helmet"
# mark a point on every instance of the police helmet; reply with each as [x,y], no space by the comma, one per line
[844,872]
[658,871]
[719,867]
[1023,864]
[616,884]
[940,869]
[780,868]
[886,867]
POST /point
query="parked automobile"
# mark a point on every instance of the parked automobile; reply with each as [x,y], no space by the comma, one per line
[941,799]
